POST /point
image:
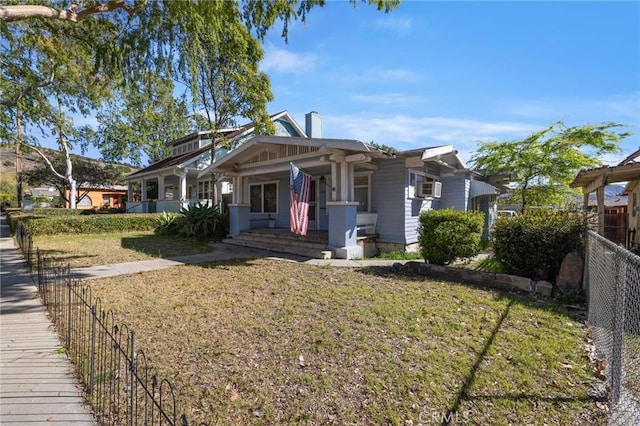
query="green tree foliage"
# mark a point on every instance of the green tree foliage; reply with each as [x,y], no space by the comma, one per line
[534,244]
[544,164]
[70,56]
[89,174]
[7,191]
[141,121]
[447,235]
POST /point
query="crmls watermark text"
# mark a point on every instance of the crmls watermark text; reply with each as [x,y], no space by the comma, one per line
[439,417]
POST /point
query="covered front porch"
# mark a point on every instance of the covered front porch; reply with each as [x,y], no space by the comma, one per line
[314,245]
[340,189]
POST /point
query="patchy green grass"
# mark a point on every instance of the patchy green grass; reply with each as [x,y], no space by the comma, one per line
[488,264]
[399,255]
[102,249]
[270,342]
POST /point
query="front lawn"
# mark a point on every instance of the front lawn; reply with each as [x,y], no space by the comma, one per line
[80,250]
[274,342]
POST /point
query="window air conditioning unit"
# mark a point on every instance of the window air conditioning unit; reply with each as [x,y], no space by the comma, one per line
[430,189]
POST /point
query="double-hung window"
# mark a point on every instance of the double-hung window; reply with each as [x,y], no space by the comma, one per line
[204,190]
[361,185]
[264,197]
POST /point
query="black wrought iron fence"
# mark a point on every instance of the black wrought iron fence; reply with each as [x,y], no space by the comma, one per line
[612,275]
[25,242]
[119,382]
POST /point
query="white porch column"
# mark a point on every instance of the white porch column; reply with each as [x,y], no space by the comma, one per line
[334,182]
[161,190]
[350,170]
[183,186]
[344,181]
[143,190]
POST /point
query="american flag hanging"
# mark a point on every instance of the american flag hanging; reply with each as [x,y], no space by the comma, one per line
[300,184]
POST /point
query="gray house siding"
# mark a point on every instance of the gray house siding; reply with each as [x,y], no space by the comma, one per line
[387,198]
[412,208]
[455,192]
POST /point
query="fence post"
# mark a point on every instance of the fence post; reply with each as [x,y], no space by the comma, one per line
[93,350]
[132,382]
[618,331]
[586,277]
[69,308]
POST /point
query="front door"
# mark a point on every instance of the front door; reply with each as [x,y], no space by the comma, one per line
[313,205]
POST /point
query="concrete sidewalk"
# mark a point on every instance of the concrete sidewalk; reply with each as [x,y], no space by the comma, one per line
[37,382]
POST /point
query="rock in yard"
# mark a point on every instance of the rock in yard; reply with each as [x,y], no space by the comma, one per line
[570,275]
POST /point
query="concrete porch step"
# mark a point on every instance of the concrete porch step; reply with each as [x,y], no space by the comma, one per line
[278,240]
[314,251]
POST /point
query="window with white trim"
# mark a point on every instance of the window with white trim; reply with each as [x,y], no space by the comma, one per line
[263,197]
[416,179]
[361,193]
[204,190]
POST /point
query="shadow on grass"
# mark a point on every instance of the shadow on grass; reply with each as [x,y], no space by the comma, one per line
[165,246]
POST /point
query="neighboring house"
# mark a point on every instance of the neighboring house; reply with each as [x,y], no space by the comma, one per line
[355,190]
[177,181]
[113,196]
[595,180]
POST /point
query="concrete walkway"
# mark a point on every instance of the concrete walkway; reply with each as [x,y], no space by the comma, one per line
[37,383]
[221,251]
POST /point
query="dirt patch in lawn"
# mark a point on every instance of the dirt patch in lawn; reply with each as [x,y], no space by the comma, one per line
[274,342]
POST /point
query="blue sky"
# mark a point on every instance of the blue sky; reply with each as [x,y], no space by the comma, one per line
[433,73]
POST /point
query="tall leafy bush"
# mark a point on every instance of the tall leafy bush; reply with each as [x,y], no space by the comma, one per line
[446,235]
[533,245]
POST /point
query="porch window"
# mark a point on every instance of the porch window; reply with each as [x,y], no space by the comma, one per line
[264,197]
[204,190]
[361,191]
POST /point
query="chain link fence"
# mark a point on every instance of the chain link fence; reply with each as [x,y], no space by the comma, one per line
[612,277]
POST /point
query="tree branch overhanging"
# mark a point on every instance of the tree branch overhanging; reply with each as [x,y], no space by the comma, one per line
[20,12]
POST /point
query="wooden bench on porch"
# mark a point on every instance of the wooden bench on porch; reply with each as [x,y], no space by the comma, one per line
[366,223]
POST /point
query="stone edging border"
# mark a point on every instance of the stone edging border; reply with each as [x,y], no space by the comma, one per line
[485,279]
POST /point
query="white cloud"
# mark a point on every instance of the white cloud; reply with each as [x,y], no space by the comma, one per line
[395,23]
[282,60]
[401,75]
[389,99]
[612,108]
[408,132]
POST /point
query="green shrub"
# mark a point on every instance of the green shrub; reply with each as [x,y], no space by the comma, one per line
[88,224]
[533,245]
[203,221]
[169,224]
[446,235]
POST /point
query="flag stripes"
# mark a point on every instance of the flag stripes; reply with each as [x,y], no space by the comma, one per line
[300,184]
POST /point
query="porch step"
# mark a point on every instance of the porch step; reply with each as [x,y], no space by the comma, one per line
[281,244]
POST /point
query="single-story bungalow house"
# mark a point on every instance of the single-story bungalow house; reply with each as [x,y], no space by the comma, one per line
[357,191]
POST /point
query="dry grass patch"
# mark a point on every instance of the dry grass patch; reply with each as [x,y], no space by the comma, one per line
[272,342]
[103,249]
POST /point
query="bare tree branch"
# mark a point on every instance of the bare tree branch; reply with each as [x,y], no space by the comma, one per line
[21,12]
[44,157]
